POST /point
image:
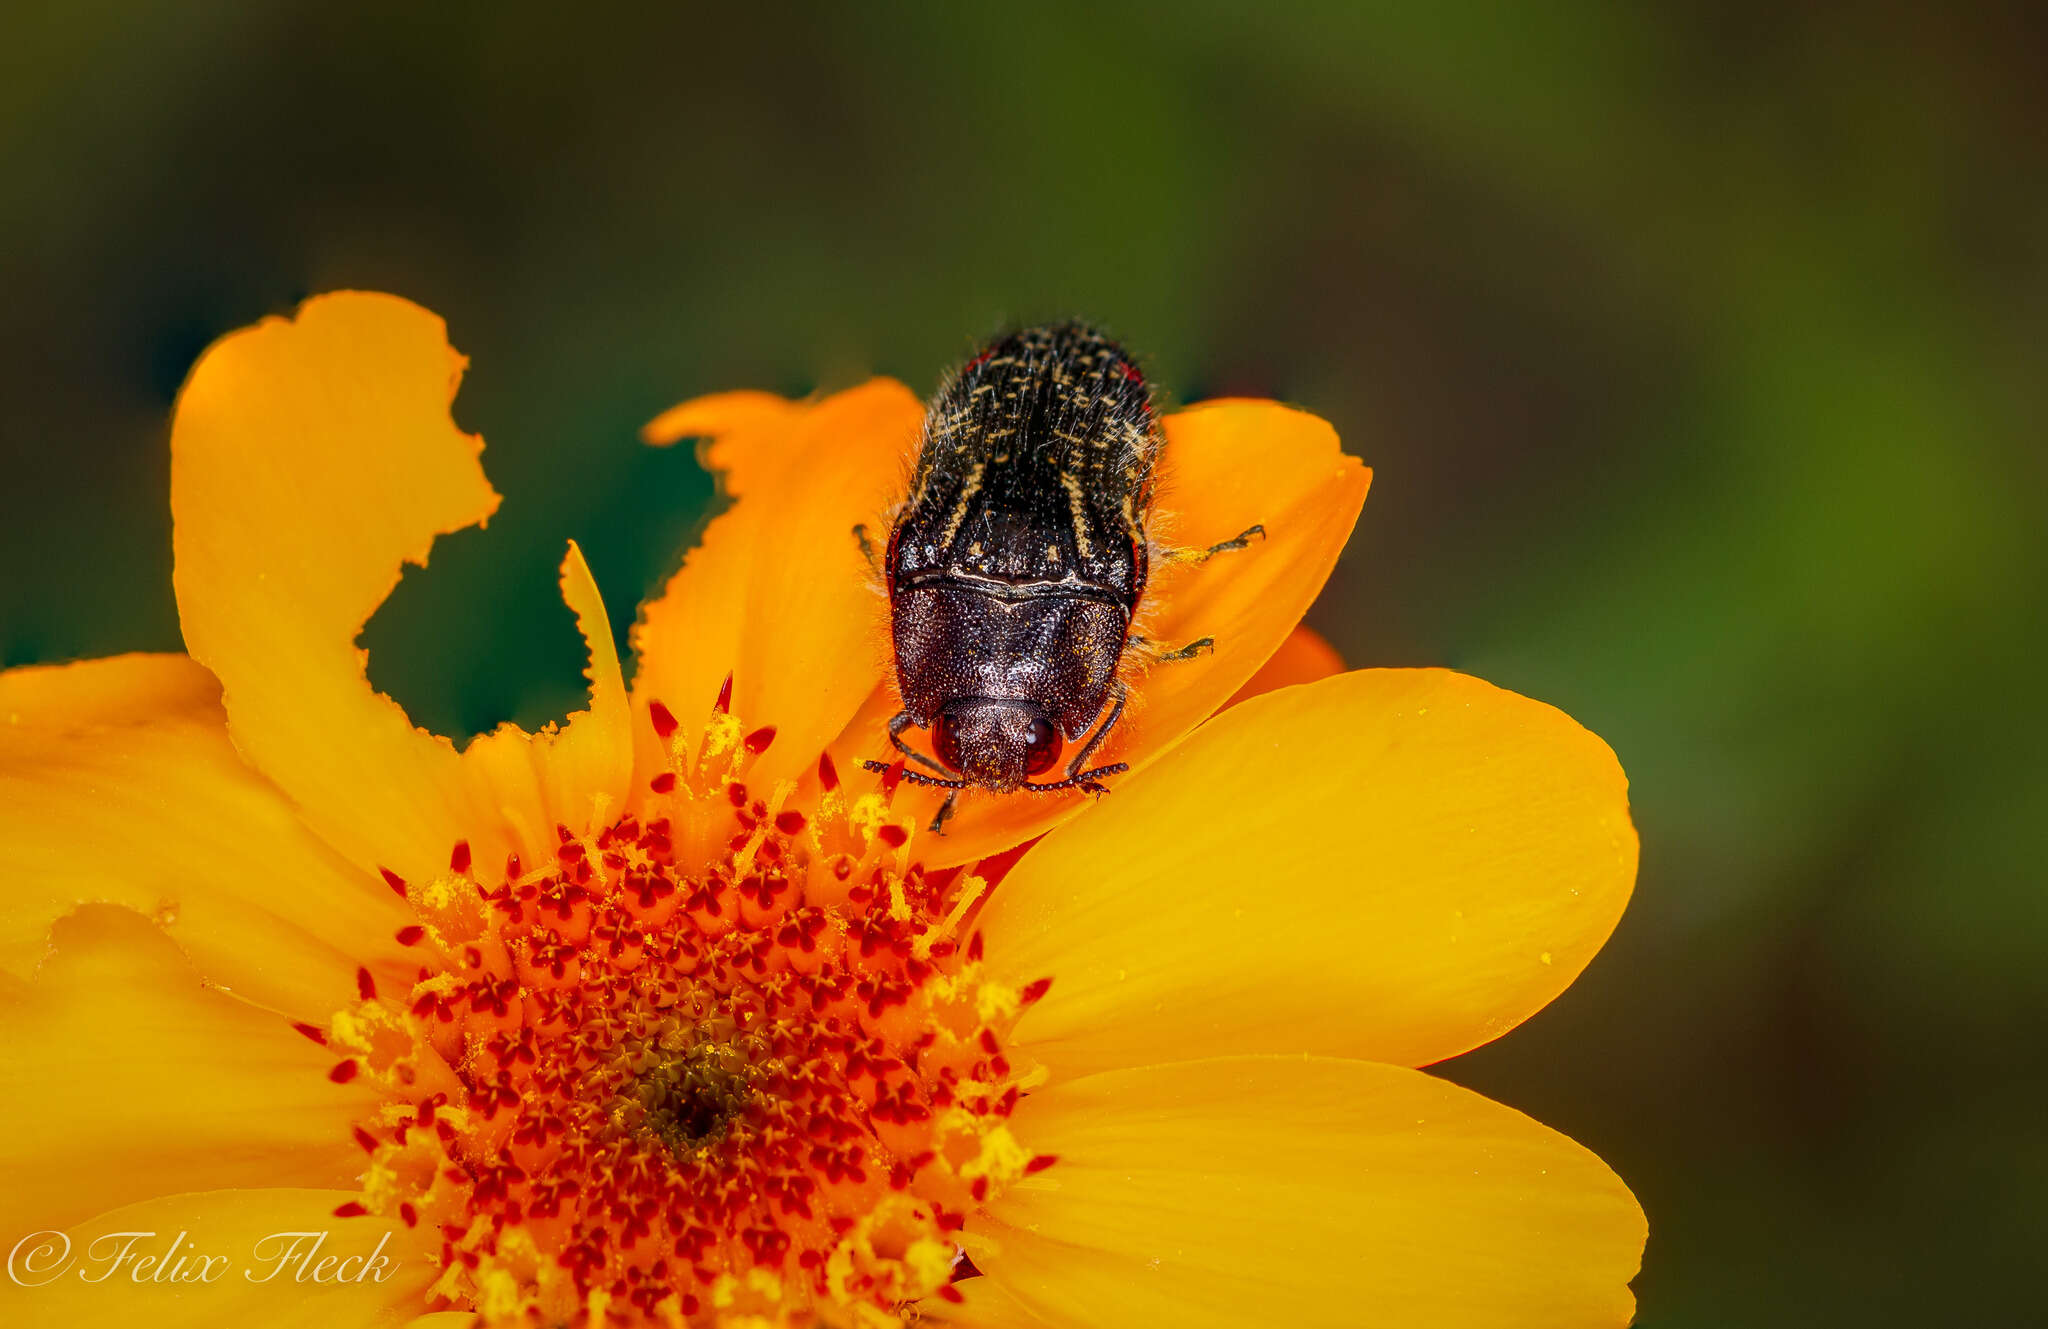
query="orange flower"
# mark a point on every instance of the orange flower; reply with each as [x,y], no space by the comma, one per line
[668,1016]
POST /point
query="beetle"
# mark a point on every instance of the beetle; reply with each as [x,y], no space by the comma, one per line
[1018,562]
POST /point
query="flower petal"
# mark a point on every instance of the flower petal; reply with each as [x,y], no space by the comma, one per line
[258,1245]
[1307,1192]
[88,695]
[577,775]
[747,436]
[593,755]
[984,1304]
[777,594]
[118,784]
[127,1077]
[1305,657]
[1396,864]
[310,460]
[1228,465]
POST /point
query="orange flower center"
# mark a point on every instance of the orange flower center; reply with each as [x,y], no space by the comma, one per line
[724,1058]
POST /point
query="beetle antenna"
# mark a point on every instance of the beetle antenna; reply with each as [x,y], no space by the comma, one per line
[1075,781]
[918,777]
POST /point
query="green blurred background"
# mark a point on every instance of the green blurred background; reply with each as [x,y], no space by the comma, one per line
[1698,350]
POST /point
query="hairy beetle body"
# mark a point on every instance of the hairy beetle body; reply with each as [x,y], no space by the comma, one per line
[1018,561]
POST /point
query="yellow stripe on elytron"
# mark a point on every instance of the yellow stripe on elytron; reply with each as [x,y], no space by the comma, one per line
[967,493]
[1077,499]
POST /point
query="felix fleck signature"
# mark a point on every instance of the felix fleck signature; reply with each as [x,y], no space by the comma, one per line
[44,1257]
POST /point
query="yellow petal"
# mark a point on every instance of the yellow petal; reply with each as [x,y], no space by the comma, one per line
[310,460]
[1304,657]
[575,776]
[746,436]
[1396,864]
[100,694]
[984,1304]
[118,784]
[259,1248]
[777,594]
[1307,1192]
[127,1078]
[687,638]
[596,754]
[1228,465]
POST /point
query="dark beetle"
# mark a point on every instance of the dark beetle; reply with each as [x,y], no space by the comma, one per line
[1019,559]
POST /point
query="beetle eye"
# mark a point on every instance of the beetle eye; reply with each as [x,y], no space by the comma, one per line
[1042,747]
[946,742]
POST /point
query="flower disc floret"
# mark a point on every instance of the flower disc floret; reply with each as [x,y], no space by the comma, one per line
[725,1056]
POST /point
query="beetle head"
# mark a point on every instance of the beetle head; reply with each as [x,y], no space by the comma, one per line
[996,744]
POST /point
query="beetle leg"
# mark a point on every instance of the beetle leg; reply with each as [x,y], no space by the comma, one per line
[1150,649]
[944,814]
[897,724]
[1117,692]
[867,546]
[1242,540]
[1191,650]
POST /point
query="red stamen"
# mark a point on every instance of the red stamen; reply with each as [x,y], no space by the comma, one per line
[645,948]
